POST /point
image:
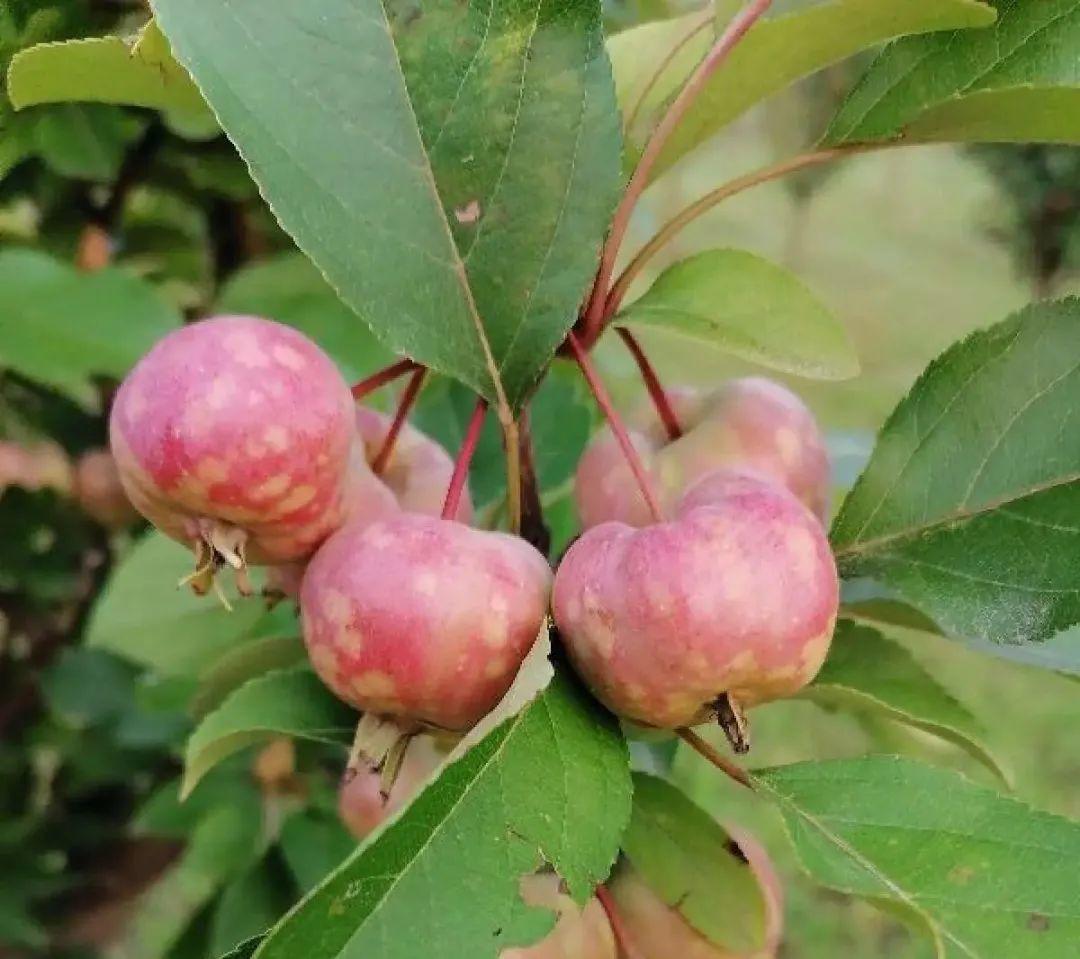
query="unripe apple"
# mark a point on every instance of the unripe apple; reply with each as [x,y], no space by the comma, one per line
[361,802]
[419,469]
[99,492]
[735,597]
[233,435]
[750,423]
[659,931]
[578,933]
[422,619]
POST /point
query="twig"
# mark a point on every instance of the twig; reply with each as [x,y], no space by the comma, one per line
[714,756]
[623,942]
[652,384]
[603,400]
[382,377]
[667,232]
[464,458]
[726,42]
[533,528]
[405,405]
[669,58]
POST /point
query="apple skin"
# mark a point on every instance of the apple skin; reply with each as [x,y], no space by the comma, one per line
[736,596]
[751,423]
[578,933]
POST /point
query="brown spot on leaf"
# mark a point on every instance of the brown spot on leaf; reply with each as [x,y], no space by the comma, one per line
[469,213]
[1037,922]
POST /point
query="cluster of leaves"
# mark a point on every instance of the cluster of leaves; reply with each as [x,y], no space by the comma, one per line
[450,171]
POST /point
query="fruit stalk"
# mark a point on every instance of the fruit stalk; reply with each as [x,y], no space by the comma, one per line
[405,405]
[652,384]
[382,377]
[600,394]
[464,458]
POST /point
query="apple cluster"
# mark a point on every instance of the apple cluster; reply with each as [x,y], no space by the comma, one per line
[238,437]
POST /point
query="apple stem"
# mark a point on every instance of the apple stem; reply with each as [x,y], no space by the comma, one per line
[464,458]
[725,43]
[405,405]
[652,384]
[603,400]
[623,942]
[384,376]
[714,756]
[533,528]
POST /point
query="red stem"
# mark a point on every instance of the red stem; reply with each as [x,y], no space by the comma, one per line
[652,384]
[623,942]
[464,458]
[408,398]
[384,376]
[733,33]
[615,422]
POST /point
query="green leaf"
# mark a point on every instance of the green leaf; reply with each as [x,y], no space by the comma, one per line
[967,507]
[312,845]
[84,141]
[780,50]
[289,289]
[138,72]
[223,844]
[987,875]
[450,168]
[289,702]
[1017,81]
[441,880]
[249,905]
[685,856]
[868,673]
[236,666]
[245,950]
[742,304]
[61,327]
[87,686]
[143,616]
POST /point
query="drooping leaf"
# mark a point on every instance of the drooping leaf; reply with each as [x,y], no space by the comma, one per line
[289,289]
[312,845]
[780,50]
[742,304]
[248,660]
[61,327]
[137,72]
[987,875]
[143,616]
[967,507]
[868,673]
[685,856]
[286,702]
[549,783]
[450,168]
[1016,81]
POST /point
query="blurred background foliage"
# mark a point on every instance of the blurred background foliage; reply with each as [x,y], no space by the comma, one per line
[114,226]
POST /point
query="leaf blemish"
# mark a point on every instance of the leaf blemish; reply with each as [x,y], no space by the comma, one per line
[1037,922]
[469,213]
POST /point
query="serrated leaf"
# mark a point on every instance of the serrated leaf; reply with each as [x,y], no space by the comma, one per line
[60,327]
[222,844]
[143,616]
[685,856]
[967,507]
[987,875]
[289,289]
[868,673]
[287,702]
[1016,81]
[549,783]
[781,50]
[139,71]
[450,168]
[742,304]
[245,950]
[246,661]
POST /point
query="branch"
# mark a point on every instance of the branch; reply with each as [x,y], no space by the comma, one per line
[667,232]
[727,41]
